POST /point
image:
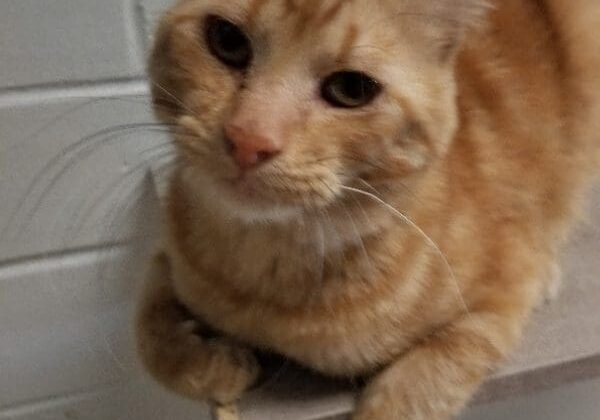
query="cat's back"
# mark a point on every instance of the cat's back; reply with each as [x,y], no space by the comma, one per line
[577,26]
[533,55]
[529,99]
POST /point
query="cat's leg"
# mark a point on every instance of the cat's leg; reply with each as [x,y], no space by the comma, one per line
[169,344]
[435,379]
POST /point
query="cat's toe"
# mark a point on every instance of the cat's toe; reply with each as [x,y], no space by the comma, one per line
[237,369]
[222,378]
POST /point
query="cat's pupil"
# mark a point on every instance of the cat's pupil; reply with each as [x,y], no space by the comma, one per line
[350,89]
[228,43]
[354,85]
[229,38]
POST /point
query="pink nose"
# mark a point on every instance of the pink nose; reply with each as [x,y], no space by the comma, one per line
[248,148]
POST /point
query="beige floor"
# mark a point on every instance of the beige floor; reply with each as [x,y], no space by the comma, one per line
[579,401]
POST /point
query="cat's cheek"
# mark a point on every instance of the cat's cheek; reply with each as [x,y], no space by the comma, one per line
[403,160]
[411,160]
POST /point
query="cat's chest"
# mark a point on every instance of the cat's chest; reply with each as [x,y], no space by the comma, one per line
[348,337]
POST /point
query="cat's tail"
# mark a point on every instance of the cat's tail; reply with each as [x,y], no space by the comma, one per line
[578,30]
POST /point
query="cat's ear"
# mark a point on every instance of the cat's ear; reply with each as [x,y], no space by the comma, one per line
[452,20]
[465,12]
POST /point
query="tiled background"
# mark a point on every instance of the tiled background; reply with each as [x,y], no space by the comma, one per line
[70,191]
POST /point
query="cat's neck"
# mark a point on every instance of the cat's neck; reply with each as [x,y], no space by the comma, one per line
[262,259]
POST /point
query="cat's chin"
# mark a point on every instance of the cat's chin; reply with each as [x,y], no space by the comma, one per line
[246,207]
[240,201]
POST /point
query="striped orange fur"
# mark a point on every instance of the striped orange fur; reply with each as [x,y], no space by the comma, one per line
[406,241]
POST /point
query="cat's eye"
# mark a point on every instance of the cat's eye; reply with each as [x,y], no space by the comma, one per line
[350,89]
[228,43]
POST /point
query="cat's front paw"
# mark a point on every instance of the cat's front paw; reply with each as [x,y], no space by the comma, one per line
[230,372]
[173,350]
[374,406]
[215,370]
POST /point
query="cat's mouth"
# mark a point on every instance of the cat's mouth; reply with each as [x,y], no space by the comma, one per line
[246,199]
[246,189]
[260,196]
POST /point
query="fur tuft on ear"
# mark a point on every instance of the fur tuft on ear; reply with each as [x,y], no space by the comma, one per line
[467,13]
[450,20]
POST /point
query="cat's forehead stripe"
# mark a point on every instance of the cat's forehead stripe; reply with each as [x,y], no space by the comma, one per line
[347,44]
[330,13]
[306,14]
[254,10]
[310,14]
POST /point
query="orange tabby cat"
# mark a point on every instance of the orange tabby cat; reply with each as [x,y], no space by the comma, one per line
[368,187]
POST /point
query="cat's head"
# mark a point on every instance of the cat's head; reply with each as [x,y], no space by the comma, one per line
[281,103]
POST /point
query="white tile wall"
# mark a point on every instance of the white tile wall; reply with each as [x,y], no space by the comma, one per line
[150,12]
[73,191]
[65,317]
[64,331]
[70,69]
[66,41]
[122,402]
[47,177]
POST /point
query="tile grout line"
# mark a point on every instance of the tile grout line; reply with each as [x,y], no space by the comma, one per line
[62,259]
[26,407]
[140,27]
[36,94]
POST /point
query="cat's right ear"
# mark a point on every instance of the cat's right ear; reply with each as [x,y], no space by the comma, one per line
[451,20]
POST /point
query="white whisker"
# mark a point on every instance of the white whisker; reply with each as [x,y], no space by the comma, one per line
[360,241]
[175,98]
[321,252]
[422,233]
[369,186]
[115,188]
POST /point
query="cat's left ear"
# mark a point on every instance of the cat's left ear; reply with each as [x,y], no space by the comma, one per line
[453,19]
